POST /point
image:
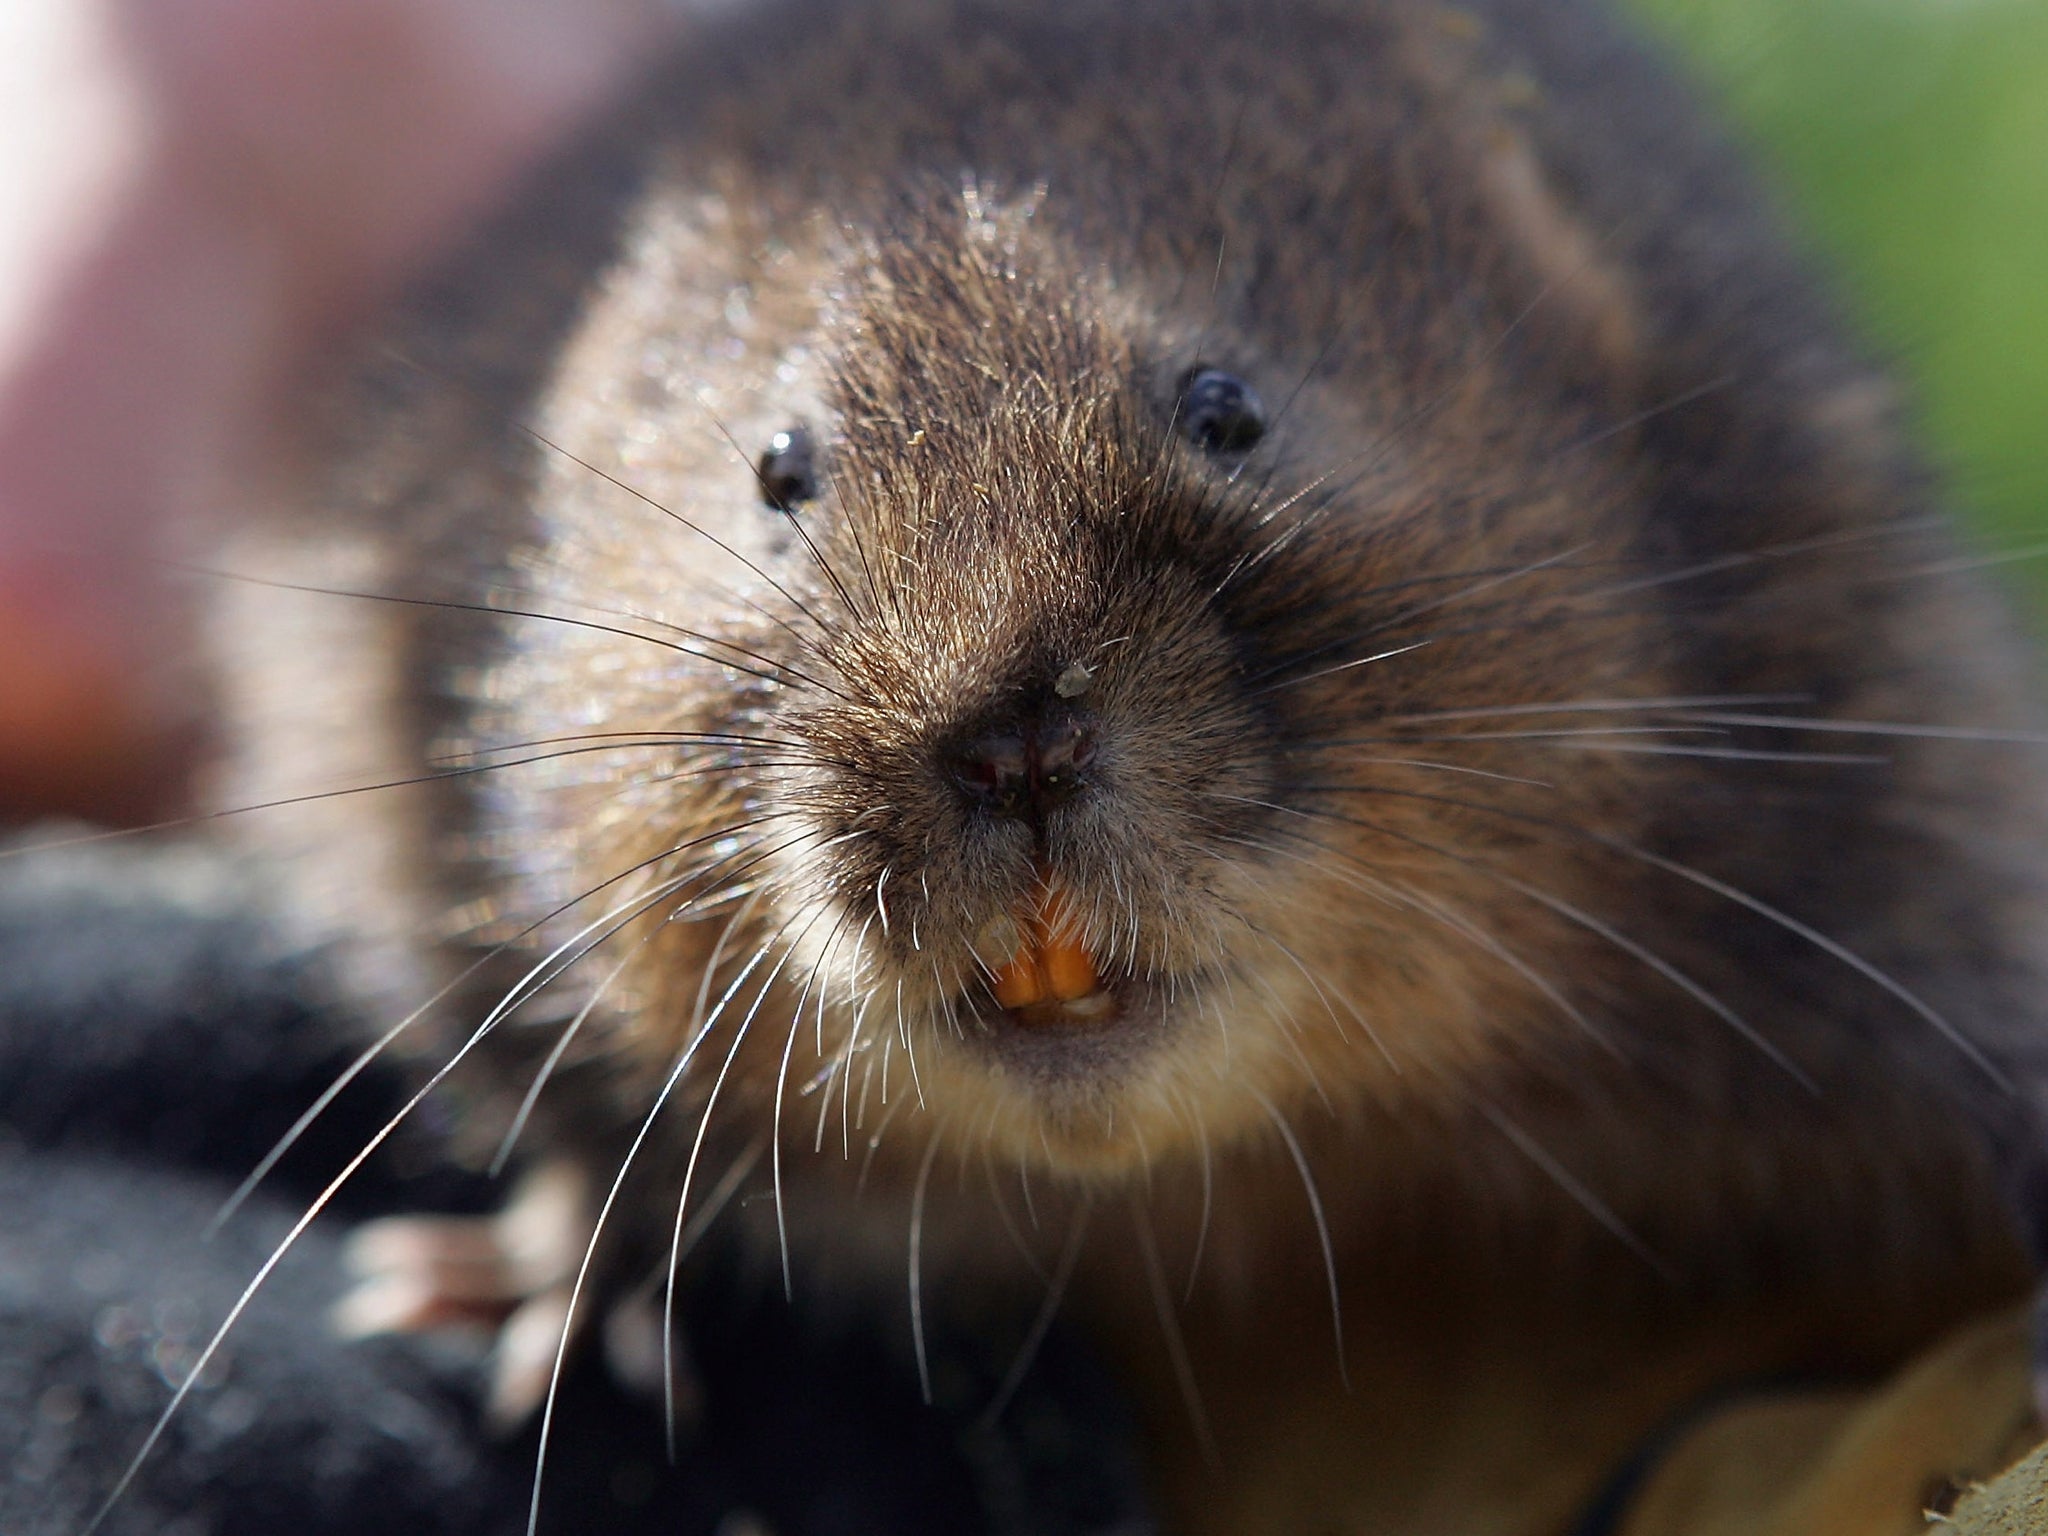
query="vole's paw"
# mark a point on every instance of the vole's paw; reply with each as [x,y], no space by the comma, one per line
[512,1274]
[649,1357]
[419,1272]
[415,1273]
[641,1353]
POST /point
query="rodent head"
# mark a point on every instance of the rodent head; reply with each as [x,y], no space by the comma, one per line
[1052,702]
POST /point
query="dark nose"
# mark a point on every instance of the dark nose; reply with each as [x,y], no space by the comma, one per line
[1028,772]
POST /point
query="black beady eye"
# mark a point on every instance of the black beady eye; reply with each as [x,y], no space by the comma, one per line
[1221,413]
[788,470]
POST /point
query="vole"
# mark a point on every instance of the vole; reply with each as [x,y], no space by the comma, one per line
[1265,673]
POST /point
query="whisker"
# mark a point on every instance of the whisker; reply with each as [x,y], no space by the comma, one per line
[1802,930]
[858,1000]
[698,1026]
[1600,706]
[924,1178]
[554,1058]
[401,357]
[1342,666]
[1585,920]
[1315,1205]
[277,1256]
[1482,773]
[1827,945]
[676,517]
[795,523]
[1004,1219]
[655,737]
[716,1202]
[805,647]
[1322,997]
[852,526]
[319,1106]
[739,1039]
[1466,928]
[661,1099]
[796,1025]
[1898,528]
[1975,562]
[1208,1173]
[1176,1344]
[1729,754]
[1876,728]
[355,1068]
[1486,584]
[1649,413]
[780,676]
[206,818]
[561,1045]
[1541,733]
[1562,1177]
[1041,1324]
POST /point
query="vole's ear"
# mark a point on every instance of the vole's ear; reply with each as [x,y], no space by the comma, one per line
[1581,298]
[1582,301]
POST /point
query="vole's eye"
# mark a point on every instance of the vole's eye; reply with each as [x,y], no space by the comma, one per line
[788,470]
[1221,413]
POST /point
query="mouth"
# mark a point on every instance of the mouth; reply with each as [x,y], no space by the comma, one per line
[1048,1009]
[1051,977]
[1072,1046]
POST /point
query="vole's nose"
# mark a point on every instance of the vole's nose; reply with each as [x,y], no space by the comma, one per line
[1029,771]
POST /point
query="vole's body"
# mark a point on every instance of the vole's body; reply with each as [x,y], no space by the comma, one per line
[1452,894]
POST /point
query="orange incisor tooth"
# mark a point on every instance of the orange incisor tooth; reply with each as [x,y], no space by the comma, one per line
[1052,962]
[1069,968]
[1022,982]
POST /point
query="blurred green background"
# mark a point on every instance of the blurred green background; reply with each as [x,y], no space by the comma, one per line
[1910,138]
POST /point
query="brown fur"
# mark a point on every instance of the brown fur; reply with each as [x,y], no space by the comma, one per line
[1591,1126]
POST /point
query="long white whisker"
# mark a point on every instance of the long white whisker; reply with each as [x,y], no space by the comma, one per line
[739,1039]
[1559,1175]
[1730,754]
[554,1057]
[1176,1343]
[1599,706]
[1826,945]
[1055,1293]
[924,1178]
[1322,1222]
[661,1099]
[1208,1171]
[796,1024]
[1873,728]
[277,1255]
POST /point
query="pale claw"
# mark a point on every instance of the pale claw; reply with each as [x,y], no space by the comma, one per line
[510,1274]
[523,1363]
